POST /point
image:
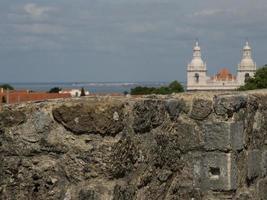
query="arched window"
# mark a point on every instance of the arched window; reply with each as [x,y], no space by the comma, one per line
[196,77]
[247,76]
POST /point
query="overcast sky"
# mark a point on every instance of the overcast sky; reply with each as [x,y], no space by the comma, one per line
[125,40]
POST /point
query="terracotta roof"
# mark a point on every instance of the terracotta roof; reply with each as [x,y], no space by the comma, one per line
[18,97]
[224,75]
[15,91]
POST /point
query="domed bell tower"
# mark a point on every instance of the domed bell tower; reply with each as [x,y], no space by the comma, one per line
[247,67]
[196,70]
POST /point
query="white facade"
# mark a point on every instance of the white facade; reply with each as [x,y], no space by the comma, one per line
[247,67]
[73,92]
[197,78]
[196,69]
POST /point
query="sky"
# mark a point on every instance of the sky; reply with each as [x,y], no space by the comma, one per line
[125,40]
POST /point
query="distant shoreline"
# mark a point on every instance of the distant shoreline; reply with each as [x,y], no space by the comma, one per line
[93,87]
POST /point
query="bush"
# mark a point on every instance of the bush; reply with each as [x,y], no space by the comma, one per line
[6,87]
[55,90]
[259,81]
[173,87]
[176,87]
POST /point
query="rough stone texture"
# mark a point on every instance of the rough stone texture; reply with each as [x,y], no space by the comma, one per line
[219,170]
[223,136]
[254,164]
[217,136]
[201,146]
[264,163]
[237,135]
[226,105]
[262,189]
[11,118]
[201,109]
[175,107]
[148,114]
[97,119]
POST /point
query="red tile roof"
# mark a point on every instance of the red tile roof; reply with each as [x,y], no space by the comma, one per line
[19,96]
[224,75]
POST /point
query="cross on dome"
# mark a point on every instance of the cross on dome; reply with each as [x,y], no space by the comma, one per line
[197,47]
[197,62]
[197,43]
[247,47]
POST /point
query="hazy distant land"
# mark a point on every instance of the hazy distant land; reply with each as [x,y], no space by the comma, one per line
[93,87]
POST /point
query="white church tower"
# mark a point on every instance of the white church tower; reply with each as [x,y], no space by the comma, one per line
[247,67]
[196,70]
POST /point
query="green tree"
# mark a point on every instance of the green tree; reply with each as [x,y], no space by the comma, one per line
[162,90]
[259,81]
[6,87]
[142,90]
[176,87]
[83,92]
[173,87]
[55,90]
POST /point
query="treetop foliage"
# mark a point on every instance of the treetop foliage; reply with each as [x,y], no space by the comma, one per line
[173,87]
[55,90]
[259,81]
[6,87]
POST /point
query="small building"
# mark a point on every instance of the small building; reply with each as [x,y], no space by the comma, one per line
[197,78]
[73,92]
[20,96]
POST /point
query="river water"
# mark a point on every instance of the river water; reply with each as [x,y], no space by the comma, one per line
[92,87]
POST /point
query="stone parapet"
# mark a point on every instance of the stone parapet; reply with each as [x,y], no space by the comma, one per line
[200,146]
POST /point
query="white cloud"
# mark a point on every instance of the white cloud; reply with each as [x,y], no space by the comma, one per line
[37,11]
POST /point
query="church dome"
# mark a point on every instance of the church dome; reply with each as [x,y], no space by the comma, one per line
[197,62]
[197,47]
[247,47]
[247,62]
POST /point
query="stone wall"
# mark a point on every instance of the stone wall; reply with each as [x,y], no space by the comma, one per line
[190,146]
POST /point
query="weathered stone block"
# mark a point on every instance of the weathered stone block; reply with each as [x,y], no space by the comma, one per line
[11,118]
[91,119]
[254,164]
[217,136]
[148,114]
[243,196]
[223,136]
[264,163]
[201,109]
[174,107]
[124,192]
[262,189]
[88,194]
[226,105]
[237,135]
[216,171]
